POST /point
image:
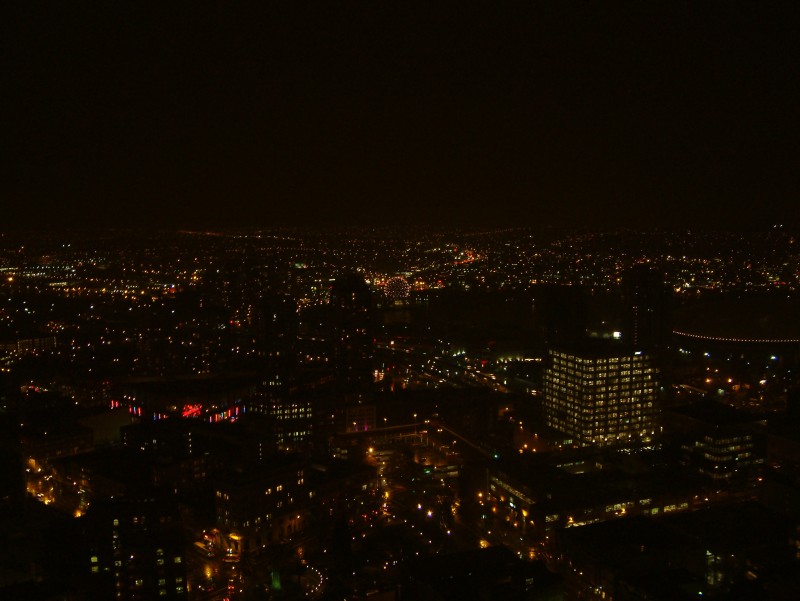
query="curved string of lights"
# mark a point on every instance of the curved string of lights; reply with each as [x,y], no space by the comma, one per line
[745,340]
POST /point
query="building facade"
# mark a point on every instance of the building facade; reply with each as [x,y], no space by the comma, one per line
[135,550]
[601,396]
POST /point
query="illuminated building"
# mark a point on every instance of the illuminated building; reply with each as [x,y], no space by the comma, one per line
[29,345]
[601,395]
[293,419]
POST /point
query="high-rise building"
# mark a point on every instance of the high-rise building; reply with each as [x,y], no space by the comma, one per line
[352,336]
[559,312]
[645,308]
[277,344]
[277,367]
[601,395]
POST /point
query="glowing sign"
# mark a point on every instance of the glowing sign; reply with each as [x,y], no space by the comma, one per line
[192,410]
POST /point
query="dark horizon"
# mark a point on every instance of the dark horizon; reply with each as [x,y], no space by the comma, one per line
[673,116]
[88,232]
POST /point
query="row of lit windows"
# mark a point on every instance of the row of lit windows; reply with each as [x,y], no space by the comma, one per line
[728,441]
[581,380]
[583,411]
[590,393]
[584,384]
[595,360]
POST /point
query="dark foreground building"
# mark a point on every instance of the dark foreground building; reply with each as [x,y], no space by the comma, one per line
[134,550]
[491,574]
[738,551]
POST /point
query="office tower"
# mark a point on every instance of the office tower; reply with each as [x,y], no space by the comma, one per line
[645,308]
[277,371]
[351,334]
[601,395]
[277,345]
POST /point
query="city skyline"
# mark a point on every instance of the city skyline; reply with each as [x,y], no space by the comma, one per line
[267,415]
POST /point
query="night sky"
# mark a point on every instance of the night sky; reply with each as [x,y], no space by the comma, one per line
[335,113]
